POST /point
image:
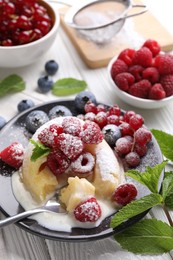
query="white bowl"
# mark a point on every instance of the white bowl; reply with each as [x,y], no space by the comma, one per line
[22,55]
[135,101]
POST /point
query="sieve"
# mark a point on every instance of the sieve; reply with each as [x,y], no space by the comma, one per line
[100,20]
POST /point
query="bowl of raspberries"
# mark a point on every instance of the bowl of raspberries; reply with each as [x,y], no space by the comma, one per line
[144,77]
[26,27]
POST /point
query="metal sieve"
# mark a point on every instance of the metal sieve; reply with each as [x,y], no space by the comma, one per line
[100,20]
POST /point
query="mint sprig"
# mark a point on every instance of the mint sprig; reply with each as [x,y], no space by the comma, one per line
[39,150]
[11,84]
[68,86]
[150,236]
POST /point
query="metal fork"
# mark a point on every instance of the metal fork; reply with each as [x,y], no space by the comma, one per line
[52,205]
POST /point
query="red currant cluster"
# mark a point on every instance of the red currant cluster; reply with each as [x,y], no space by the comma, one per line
[22,22]
[132,144]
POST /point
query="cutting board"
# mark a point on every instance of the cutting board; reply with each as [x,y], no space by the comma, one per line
[132,35]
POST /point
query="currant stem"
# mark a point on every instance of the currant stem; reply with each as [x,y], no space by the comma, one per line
[167,215]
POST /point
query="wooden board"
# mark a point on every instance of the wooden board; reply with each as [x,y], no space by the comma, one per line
[133,33]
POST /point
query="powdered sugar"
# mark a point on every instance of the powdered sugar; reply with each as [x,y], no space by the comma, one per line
[84,163]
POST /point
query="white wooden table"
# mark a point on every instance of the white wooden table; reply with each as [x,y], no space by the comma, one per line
[16,244]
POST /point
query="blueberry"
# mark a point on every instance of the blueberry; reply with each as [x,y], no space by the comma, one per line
[82,98]
[25,104]
[111,134]
[2,122]
[51,67]
[45,84]
[35,119]
[59,111]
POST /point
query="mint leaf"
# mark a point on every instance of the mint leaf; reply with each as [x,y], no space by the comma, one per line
[68,86]
[167,189]
[40,150]
[11,84]
[150,177]
[149,236]
[135,207]
[165,142]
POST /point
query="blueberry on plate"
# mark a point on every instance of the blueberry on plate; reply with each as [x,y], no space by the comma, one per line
[25,104]
[35,119]
[111,134]
[82,98]
[2,122]
[51,67]
[59,111]
[45,84]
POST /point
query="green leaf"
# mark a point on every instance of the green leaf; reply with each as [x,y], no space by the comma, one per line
[167,189]
[135,207]
[11,84]
[150,177]
[68,86]
[39,151]
[149,236]
[165,142]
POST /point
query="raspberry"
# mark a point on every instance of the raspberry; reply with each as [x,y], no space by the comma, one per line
[91,133]
[71,125]
[164,64]
[123,146]
[140,89]
[101,119]
[118,66]
[167,84]
[127,55]
[13,155]
[136,71]
[124,80]
[151,74]
[88,211]
[124,194]
[113,119]
[57,162]
[46,136]
[157,92]
[128,115]
[142,136]
[132,159]
[136,121]
[143,57]
[90,107]
[83,164]
[153,45]
[70,145]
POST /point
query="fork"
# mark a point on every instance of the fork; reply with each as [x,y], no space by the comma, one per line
[52,205]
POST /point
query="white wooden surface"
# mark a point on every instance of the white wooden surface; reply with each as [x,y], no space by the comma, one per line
[16,244]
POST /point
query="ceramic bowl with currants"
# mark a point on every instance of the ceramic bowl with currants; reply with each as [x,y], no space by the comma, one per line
[27,31]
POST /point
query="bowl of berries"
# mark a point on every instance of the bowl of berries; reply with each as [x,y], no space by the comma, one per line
[26,27]
[143,78]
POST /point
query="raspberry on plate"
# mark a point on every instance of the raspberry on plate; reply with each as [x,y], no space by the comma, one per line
[70,145]
[167,84]
[72,125]
[13,155]
[143,57]
[91,133]
[88,211]
[157,92]
[47,135]
[124,194]
[140,89]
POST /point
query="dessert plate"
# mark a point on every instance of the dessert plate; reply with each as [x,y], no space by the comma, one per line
[15,131]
